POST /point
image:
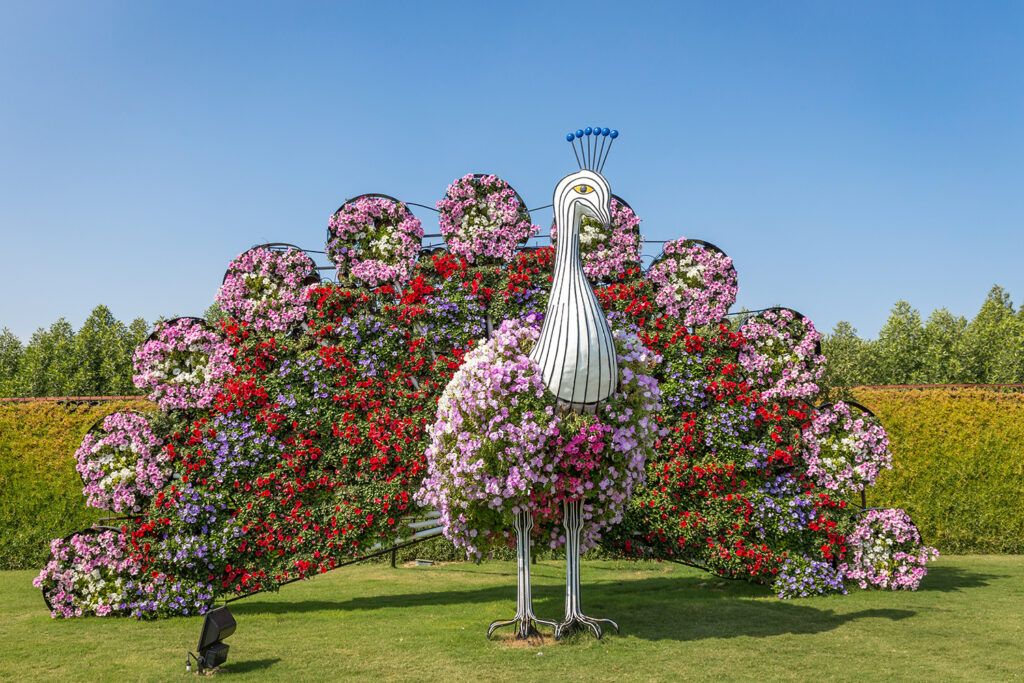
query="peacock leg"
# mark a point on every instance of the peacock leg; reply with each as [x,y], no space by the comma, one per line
[574,617]
[525,622]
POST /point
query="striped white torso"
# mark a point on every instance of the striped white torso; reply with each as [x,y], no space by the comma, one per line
[575,351]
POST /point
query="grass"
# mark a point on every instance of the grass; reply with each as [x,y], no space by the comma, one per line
[427,623]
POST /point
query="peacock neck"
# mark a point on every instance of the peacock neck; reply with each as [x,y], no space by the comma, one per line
[568,249]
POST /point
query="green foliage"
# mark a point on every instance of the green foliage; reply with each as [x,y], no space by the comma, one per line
[947,349]
[40,490]
[898,352]
[958,465]
[95,361]
[48,362]
[986,335]
[11,352]
[943,353]
[848,355]
[214,315]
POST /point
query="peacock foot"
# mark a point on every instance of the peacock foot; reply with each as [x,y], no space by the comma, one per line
[525,625]
[580,622]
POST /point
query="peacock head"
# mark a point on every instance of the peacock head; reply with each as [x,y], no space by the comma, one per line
[588,192]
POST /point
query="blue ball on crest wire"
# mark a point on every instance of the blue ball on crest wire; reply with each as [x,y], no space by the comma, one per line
[591,155]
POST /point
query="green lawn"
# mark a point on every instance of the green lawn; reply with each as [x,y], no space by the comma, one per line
[427,623]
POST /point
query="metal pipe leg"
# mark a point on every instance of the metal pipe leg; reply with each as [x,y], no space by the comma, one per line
[525,621]
[574,617]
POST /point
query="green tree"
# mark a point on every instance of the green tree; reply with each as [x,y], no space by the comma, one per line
[102,355]
[47,365]
[1008,365]
[11,352]
[987,337]
[943,355]
[848,357]
[898,352]
[214,315]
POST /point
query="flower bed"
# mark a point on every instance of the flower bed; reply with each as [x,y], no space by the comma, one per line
[123,467]
[845,452]
[374,240]
[182,364]
[607,252]
[694,281]
[782,355]
[887,552]
[267,288]
[482,217]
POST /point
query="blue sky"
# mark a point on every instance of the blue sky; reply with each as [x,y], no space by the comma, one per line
[846,155]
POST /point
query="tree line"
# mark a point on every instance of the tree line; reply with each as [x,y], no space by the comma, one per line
[944,349]
[58,361]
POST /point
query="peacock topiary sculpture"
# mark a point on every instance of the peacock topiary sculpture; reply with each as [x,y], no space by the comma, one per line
[498,393]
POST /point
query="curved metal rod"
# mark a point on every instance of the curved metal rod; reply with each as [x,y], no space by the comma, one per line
[377,553]
[368,195]
[703,243]
[862,408]
[422,206]
[164,323]
[281,247]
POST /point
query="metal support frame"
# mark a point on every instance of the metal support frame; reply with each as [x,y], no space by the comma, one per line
[525,621]
[429,529]
[574,617]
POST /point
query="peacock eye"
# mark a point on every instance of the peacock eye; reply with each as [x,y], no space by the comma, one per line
[583,189]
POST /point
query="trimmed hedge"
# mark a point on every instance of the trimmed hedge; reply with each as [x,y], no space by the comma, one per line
[958,464]
[40,491]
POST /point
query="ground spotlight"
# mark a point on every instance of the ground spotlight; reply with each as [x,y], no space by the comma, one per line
[218,625]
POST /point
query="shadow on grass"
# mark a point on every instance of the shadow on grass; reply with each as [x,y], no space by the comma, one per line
[658,608]
[951,579]
[252,665]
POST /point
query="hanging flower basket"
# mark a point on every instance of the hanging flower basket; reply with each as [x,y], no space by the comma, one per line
[182,364]
[886,551]
[782,354]
[374,240]
[846,447]
[608,252]
[89,572]
[266,287]
[483,218]
[121,463]
[694,281]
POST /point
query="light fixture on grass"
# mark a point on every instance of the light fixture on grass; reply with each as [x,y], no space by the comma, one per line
[217,625]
